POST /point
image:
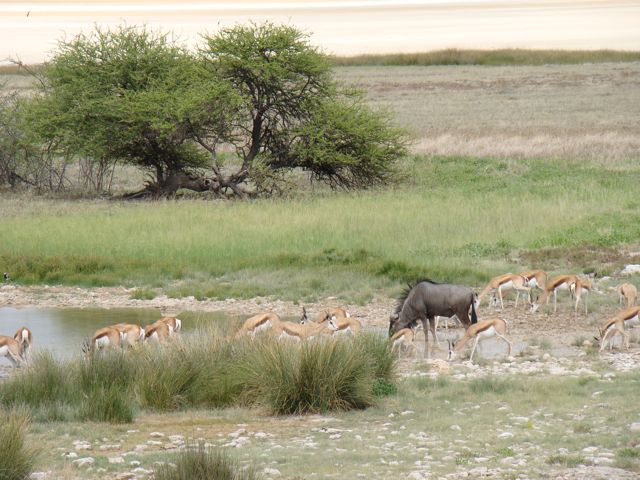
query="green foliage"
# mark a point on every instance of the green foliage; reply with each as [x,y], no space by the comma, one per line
[295,114]
[16,456]
[199,463]
[129,94]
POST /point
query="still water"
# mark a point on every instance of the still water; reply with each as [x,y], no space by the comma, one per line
[63,330]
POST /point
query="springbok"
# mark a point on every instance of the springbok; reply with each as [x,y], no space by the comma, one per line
[582,287]
[174,324]
[535,278]
[561,282]
[628,294]
[404,338]
[504,282]
[258,323]
[25,340]
[107,337]
[10,348]
[325,314]
[132,334]
[616,325]
[344,324]
[480,331]
[300,331]
[158,331]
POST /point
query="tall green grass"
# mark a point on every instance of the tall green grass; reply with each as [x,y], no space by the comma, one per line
[17,457]
[205,370]
[459,219]
[509,56]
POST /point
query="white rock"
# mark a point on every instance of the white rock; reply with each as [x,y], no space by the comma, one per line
[39,475]
[116,460]
[273,472]
[635,427]
[416,476]
[156,434]
[335,436]
[70,455]
[506,435]
[84,462]
[237,433]
[110,447]
[125,476]
[142,471]
[456,428]
[154,443]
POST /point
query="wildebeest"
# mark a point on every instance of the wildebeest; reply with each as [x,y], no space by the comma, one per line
[426,299]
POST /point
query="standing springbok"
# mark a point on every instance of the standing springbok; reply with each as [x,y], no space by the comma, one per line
[132,334]
[258,323]
[628,294]
[480,331]
[504,282]
[25,340]
[174,324]
[582,287]
[107,337]
[158,331]
[616,325]
[10,348]
[404,338]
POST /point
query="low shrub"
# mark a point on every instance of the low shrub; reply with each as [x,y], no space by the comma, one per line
[16,457]
[199,463]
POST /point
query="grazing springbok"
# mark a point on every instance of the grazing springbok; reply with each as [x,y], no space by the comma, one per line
[628,294]
[132,334]
[301,331]
[535,278]
[561,282]
[325,314]
[158,331]
[107,337]
[617,324]
[344,324]
[10,348]
[480,331]
[25,340]
[258,323]
[427,299]
[505,282]
[174,324]
[404,338]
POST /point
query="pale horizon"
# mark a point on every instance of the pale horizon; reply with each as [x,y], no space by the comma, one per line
[30,31]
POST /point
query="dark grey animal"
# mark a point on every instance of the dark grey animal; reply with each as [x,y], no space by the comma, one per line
[426,299]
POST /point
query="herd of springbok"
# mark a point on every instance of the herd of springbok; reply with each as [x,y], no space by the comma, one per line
[122,335]
[524,284]
[331,321]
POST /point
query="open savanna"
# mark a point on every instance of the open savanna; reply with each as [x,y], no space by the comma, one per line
[507,161]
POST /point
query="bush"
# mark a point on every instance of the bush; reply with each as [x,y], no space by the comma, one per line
[16,459]
[310,377]
[199,463]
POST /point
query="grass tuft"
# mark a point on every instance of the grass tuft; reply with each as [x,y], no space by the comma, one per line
[199,463]
[16,457]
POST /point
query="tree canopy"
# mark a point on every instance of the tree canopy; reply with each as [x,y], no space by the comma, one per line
[261,91]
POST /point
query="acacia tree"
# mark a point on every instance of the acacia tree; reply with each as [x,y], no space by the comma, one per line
[134,96]
[294,115]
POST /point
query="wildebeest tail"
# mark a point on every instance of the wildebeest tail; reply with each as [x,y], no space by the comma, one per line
[474,317]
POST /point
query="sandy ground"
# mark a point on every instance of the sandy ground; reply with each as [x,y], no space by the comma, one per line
[30,31]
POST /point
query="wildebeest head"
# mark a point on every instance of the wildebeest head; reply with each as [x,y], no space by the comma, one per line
[393,320]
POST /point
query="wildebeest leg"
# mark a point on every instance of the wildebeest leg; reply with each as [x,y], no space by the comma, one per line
[425,328]
[432,327]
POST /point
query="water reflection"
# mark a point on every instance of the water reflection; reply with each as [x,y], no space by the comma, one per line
[63,330]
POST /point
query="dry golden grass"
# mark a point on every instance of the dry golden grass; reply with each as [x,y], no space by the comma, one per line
[585,112]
